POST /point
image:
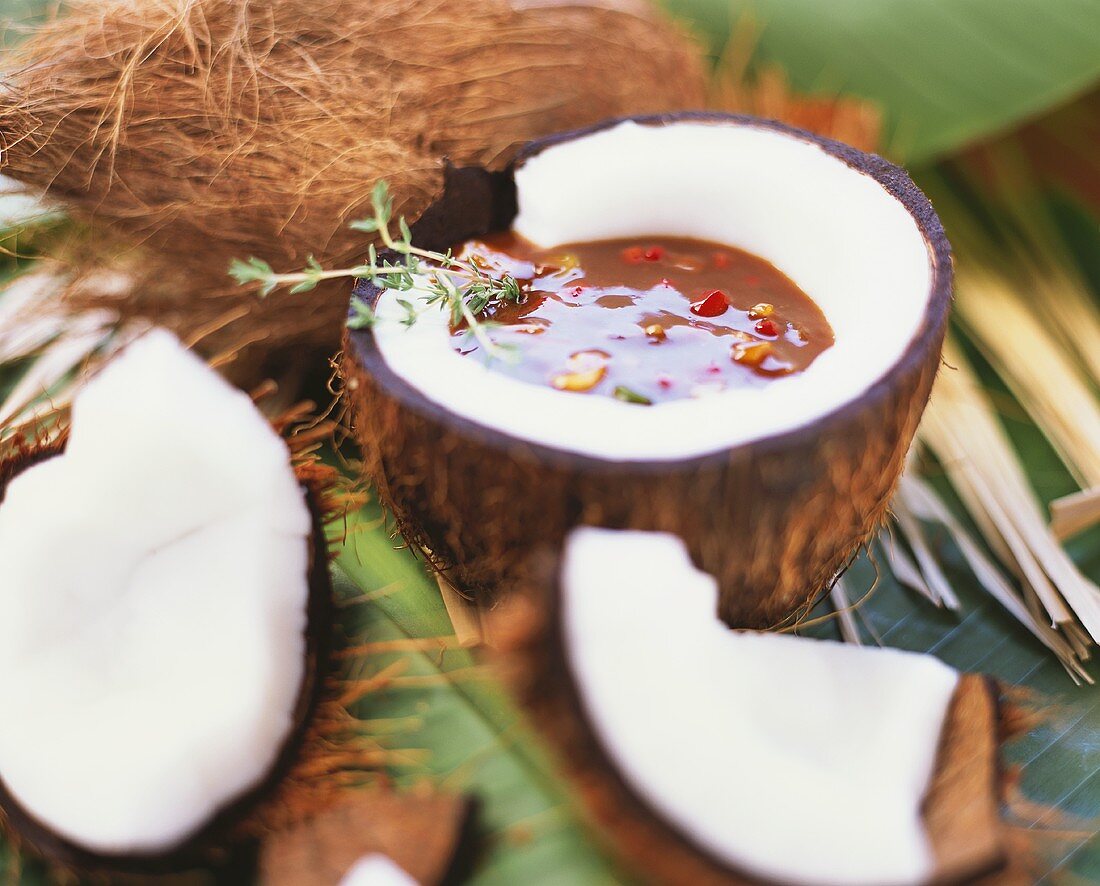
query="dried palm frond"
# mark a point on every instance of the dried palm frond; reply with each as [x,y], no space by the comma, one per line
[1041,374]
[924,572]
[1031,311]
[919,501]
[962,429]
[1075,512]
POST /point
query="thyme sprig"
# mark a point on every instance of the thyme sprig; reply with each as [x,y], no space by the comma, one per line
[461,287]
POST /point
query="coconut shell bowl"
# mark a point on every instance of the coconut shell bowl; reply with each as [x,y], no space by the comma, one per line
[772,487]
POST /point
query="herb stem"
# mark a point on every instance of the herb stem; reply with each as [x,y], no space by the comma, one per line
[477,293]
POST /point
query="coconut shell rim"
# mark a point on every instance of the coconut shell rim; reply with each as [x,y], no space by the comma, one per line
[201,848]
[470,184]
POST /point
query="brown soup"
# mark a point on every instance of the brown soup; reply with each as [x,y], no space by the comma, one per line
[647,320]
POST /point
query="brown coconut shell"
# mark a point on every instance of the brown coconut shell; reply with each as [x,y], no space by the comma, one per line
[773,520]
[215,843]
[961,810]
[213,130]
[423,835]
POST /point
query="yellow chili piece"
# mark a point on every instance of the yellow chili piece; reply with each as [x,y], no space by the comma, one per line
[586,370]
[566,261]
[750,353]
[760,311]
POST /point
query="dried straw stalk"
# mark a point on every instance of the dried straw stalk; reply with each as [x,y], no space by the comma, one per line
[1041,374]
[1044,377]
[962,429]
[920,503]
[1048,350]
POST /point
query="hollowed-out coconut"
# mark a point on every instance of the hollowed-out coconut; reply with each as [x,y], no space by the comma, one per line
[773,489]
[706,755]
[164,620]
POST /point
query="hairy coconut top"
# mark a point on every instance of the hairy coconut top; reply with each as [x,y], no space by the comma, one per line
[849,228]
[220,129]
[153,608]
[796,760]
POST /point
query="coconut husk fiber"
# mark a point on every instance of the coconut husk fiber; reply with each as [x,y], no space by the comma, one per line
[209,130]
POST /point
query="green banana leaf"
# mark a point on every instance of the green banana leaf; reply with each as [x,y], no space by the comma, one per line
[474,737]
[945,72]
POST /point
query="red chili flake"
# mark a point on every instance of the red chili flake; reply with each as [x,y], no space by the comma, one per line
[653,253]
[633,255]
[664,382]
[752,280]
[767,327]
[721,260]
[578,290]
[712,304]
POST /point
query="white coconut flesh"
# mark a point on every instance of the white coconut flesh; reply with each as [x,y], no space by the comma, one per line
[377,870]
[793,759]
[153,607]
[835,231]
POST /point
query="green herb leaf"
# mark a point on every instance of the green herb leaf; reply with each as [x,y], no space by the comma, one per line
[622,392]
[304,286]
[252,271]
[362,315]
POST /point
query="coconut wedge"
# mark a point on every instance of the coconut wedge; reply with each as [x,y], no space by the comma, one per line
[713,756]
[772,489]
[164,619]
[371,839]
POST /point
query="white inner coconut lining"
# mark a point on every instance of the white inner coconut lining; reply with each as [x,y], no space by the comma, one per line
[152,608]
[851,246]
[799,760]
